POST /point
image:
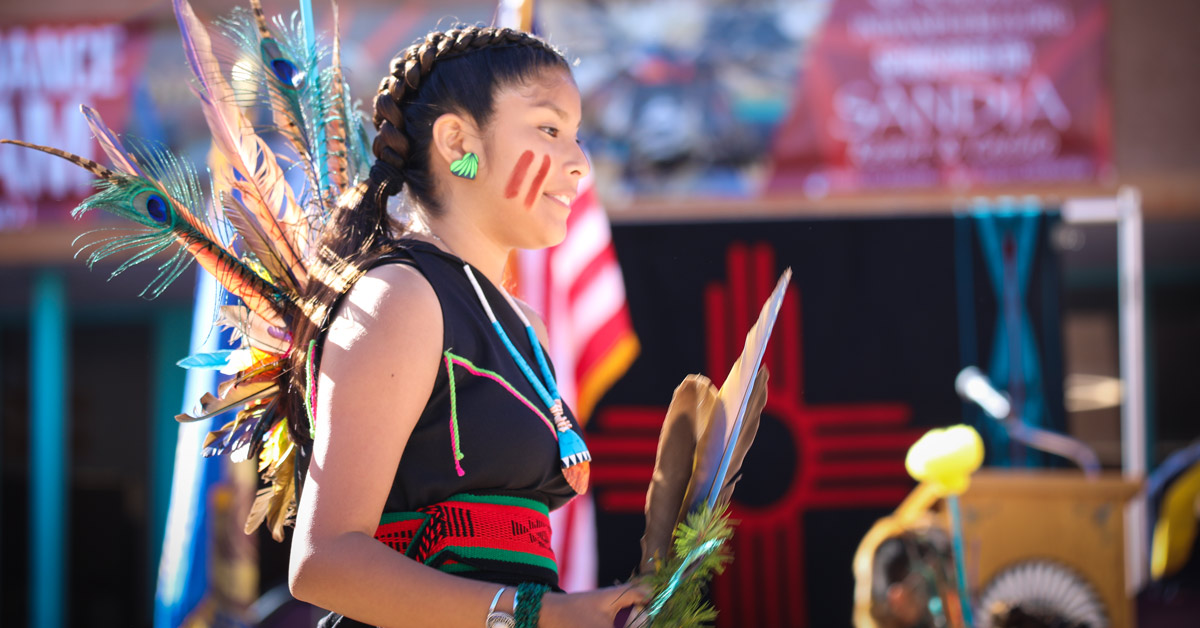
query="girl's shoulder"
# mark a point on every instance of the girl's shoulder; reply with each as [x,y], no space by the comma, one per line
[397,275]
[394,287]
[392,297]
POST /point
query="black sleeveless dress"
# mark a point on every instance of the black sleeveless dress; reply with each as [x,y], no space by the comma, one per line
[507,449]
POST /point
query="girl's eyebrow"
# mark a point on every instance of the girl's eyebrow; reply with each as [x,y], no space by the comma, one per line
[546,104]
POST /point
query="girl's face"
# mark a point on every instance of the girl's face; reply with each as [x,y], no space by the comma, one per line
[532,163]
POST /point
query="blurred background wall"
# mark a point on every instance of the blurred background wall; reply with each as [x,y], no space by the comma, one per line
[119,446]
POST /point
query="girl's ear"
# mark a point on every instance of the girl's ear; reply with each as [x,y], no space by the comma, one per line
[453,136]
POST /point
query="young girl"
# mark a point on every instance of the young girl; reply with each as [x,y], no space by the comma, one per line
[437,420]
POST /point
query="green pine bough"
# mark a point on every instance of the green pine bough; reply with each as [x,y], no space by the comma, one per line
[700,551]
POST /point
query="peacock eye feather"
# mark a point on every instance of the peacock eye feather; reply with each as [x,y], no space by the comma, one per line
[156,208]
[280,65]
[153,204]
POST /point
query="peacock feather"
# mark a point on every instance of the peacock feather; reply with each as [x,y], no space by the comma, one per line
[254,175]
[287,68]
[256,236]
[167,206]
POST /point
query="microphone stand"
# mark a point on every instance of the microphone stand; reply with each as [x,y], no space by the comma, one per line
[972,385]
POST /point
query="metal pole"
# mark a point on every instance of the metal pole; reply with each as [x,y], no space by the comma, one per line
[49,434]
[1132,308]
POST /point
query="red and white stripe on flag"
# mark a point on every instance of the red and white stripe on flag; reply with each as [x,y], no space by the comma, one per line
[578,289]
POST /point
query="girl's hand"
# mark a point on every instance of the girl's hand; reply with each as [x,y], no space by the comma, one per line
[592,609]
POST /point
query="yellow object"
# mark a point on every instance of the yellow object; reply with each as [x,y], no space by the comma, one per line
[945,458]
[1175,530]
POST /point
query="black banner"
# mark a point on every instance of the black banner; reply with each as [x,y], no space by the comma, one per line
[862,360]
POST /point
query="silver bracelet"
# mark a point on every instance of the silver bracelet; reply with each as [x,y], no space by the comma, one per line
[499,619]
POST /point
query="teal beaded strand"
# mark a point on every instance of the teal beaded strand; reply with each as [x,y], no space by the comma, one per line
[530,606]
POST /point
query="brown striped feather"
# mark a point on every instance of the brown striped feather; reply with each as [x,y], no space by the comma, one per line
[260,18]
[336,128]
[82,162]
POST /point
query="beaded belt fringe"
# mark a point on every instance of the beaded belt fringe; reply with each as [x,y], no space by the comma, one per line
[476,533]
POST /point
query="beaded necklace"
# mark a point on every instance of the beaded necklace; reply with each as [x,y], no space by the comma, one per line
[573,453]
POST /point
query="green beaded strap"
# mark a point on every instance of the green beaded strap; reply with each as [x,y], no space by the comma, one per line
[529,596]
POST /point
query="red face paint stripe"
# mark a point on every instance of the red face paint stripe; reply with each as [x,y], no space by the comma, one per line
[537,182]
[518,175]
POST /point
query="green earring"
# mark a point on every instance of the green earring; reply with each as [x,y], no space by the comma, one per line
[466,166]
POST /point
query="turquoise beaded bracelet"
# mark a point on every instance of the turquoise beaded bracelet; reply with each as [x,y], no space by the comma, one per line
[529,607]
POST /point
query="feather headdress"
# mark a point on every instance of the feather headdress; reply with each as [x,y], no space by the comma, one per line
[268,259]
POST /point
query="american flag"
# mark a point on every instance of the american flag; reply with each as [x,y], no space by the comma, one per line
[578,289]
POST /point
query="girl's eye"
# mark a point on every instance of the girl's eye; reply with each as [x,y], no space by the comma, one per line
[551,131]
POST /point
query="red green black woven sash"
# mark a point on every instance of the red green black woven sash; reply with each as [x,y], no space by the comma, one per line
[473,532]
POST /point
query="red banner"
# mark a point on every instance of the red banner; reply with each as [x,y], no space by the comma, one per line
[926,93]
[46,72]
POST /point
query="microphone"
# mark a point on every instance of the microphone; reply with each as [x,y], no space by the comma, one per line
[972,385]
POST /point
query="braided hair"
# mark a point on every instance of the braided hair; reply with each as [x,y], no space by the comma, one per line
[455,71]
